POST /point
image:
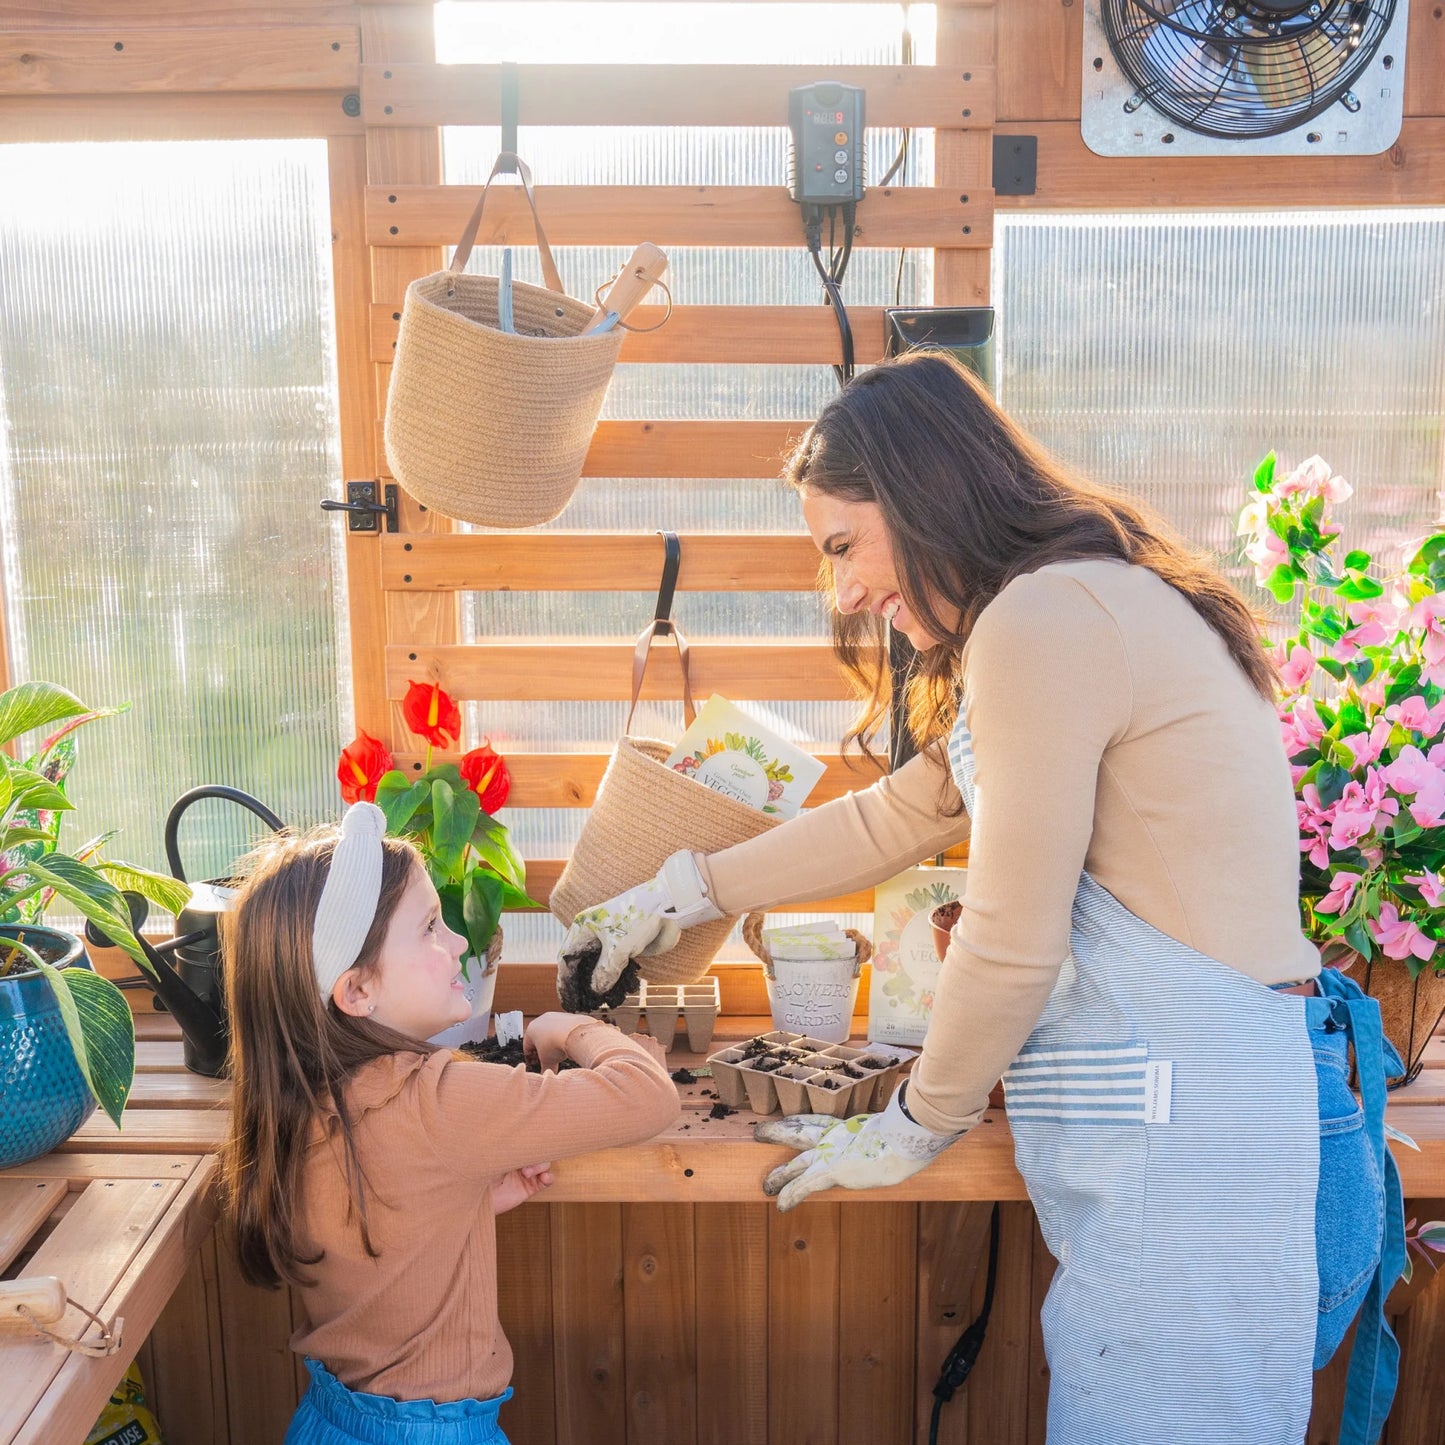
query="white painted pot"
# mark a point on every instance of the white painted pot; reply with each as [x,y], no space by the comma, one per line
[479,985]
[813,997]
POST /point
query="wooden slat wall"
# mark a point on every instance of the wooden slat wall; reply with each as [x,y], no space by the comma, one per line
[408,211]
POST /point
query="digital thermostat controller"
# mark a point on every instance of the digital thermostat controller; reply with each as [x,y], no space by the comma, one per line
[826,162]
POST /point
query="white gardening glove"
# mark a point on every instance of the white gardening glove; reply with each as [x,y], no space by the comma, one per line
[867,1151]
[644,920]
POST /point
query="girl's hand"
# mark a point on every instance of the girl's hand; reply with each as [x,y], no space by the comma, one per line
[546,1037]
[519,1186]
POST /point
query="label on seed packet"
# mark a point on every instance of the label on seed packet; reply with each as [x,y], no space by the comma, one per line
[727,750]
[905,962]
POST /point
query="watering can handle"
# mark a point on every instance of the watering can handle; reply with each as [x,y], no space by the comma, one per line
[209,790]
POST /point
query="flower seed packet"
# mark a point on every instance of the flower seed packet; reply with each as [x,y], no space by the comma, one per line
[809,942]
[905,965]
[734,754]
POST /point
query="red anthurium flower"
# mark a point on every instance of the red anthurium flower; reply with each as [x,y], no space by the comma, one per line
[362,763]
[431,714]
[486,775]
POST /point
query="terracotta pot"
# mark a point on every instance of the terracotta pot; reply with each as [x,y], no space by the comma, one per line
[1410,1008]
[943,918]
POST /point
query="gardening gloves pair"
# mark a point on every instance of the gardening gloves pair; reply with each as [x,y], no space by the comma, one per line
[868,1151]
[645,920]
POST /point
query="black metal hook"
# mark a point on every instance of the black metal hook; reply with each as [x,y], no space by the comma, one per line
[671,562]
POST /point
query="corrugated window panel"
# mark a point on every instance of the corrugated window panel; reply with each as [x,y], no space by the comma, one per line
[169,405]
[574,32]
[1165,354]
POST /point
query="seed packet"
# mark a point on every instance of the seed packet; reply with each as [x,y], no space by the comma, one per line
[738,756]
[905,965]
[809,942]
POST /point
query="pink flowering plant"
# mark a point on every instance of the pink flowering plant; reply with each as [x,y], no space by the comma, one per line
[1362,708]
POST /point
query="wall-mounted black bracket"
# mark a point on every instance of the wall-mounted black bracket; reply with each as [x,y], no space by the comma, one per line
[364,512]
[1015,165]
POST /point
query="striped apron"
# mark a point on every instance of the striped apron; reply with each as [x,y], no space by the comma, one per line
[1167,1121]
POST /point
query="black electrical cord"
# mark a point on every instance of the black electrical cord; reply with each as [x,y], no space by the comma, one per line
[831,275]
[964,1355]
[900,161]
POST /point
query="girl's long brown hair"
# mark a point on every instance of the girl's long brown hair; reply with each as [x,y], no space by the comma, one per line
[291,1051]
[970,502]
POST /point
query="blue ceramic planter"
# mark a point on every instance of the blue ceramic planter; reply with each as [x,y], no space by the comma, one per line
[43,1094]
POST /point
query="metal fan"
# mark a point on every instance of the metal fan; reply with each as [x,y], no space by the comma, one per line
[1224,77]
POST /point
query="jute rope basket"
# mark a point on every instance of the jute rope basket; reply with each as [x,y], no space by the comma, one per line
[491,426]
[645,812]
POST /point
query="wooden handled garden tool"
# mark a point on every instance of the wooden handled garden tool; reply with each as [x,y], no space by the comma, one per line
[33,1305]
[644,269]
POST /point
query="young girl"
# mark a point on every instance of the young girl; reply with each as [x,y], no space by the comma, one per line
[364,1166]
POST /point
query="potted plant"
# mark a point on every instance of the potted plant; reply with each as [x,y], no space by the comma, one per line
[446,811]
[67,1041]
[1363,679]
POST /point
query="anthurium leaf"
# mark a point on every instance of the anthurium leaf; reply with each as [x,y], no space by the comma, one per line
[35,705]
[101,1031]
[496,850]
[454,817]
[399,800]
[1264,473]
[162,890]
[515,898]
[482,910]
[451,895]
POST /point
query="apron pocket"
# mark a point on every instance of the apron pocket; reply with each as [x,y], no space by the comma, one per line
[1349,1202]
[1076,1112]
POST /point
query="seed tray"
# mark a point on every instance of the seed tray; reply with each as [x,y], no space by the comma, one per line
[802,1075]
[659,1006]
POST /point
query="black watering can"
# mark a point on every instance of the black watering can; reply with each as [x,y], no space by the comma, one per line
[191,988]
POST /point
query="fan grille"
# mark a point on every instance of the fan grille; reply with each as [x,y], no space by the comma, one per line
[1244,68]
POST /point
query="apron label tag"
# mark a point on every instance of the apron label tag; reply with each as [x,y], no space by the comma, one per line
[1158,1091]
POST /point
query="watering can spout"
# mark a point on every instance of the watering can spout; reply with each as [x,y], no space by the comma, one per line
[191,987]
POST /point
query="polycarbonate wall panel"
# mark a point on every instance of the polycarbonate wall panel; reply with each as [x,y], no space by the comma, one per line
[1165,354]
[169,413]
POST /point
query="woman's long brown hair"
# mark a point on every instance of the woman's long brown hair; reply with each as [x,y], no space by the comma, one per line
[291,1051]
[970,502]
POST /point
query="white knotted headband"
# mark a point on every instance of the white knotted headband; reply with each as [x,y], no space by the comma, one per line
[348,899]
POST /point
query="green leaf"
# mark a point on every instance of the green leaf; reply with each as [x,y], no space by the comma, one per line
[454,817]
[1281,583]
[494,847]
[95,897]
[162,890]
[101,1031]
[35,792]
[399,800]
[515,898]
[1405,683]
[1264,473]
[1335,669]
[35,705]
[1362,669]
[1358,937]
[1331,781]
[1358,561]
[482,910]
[1359,589]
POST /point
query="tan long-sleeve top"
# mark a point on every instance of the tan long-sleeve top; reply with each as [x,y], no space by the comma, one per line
[434,1133]
[1112,732]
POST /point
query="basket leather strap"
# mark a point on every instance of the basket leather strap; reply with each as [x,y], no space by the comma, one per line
[509,161]
[662,625]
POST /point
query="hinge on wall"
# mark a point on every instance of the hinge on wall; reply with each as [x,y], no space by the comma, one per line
[364,512]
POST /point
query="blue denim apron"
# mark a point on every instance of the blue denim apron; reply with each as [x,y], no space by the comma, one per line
[330,1414]
[1167,1117]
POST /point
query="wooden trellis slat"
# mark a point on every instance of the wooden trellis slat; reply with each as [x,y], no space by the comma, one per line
[682,449]
[543,873]
[569,780]
[121,58]
[777,335]
[942,97]
[546,671]
[596,562]
[914,216]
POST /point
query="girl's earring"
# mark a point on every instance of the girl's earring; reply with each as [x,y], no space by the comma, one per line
[371,1009]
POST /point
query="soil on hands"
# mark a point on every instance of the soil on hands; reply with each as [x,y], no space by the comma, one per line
[574,983]
[489,1051]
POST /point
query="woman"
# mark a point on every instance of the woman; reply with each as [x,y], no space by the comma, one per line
[1094,712]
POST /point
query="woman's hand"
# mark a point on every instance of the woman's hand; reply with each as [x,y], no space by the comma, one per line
[519,1186]
[546,1037]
